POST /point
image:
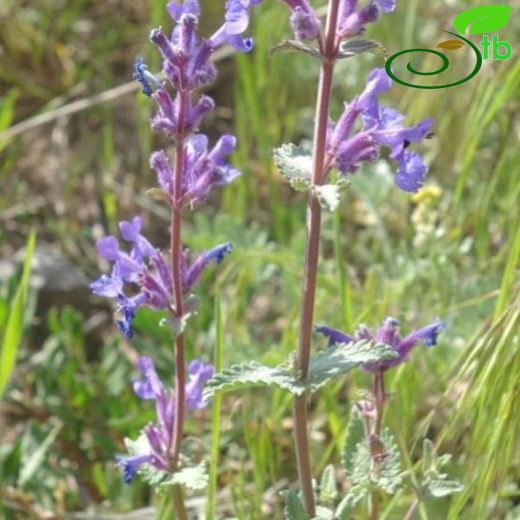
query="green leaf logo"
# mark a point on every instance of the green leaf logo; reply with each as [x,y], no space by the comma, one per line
[484,19]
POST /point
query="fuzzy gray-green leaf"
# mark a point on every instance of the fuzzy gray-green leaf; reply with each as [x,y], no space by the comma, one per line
[192,477]
[442,488]
[253,375]
[350,48]
[339,360]
[389,478]
[328,490]
[298,46]
[293,507]
[355,435]
[295,165]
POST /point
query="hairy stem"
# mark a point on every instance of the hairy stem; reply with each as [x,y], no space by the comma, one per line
[301,430]
[380,400]
[176,265]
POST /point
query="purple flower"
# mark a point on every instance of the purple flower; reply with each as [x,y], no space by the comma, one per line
[205,169]
[387,333]
[144,270]
[382,126]
[236,22]
[304,21]
[190,275]
[352,20]
[335,336]
[158,436]
[199,375]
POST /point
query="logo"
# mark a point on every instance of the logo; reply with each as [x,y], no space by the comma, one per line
[478,21]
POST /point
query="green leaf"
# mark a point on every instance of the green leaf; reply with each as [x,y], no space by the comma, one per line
[442,488]
[7,112]
[352,47]
[336,361]
[389,477]
[15,322]
[296,45]
[253,375]
[159,195]
[483,19]
[324,513]
[328,491]
[293,507]
[177,325]
[328,196]
[355,435]
[192,477]
[429,456]
[323,367]
[33,461]
[295,165]
[348,503]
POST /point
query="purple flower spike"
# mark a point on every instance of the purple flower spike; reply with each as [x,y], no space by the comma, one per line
[199,375]
[387,333]
[382,126]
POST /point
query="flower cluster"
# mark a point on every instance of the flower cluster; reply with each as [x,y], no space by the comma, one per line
[381,126]
[142,275]
[145,273]
[351,18]
[156,441]
[387,333]
[203,169]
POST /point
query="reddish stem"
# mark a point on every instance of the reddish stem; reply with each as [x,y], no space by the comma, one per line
[380,401]
[301,429]
[176,265]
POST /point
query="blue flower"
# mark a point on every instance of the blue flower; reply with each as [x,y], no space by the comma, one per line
[131,464]
[148,81]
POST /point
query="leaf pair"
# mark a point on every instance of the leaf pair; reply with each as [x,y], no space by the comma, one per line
[324,367]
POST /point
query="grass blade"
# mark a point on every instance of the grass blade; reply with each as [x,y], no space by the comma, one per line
[14,327]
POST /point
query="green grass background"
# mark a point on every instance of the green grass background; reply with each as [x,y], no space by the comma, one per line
[451,251]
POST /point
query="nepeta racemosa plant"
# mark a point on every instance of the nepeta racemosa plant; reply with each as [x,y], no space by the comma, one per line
[142,275]
[340,148]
